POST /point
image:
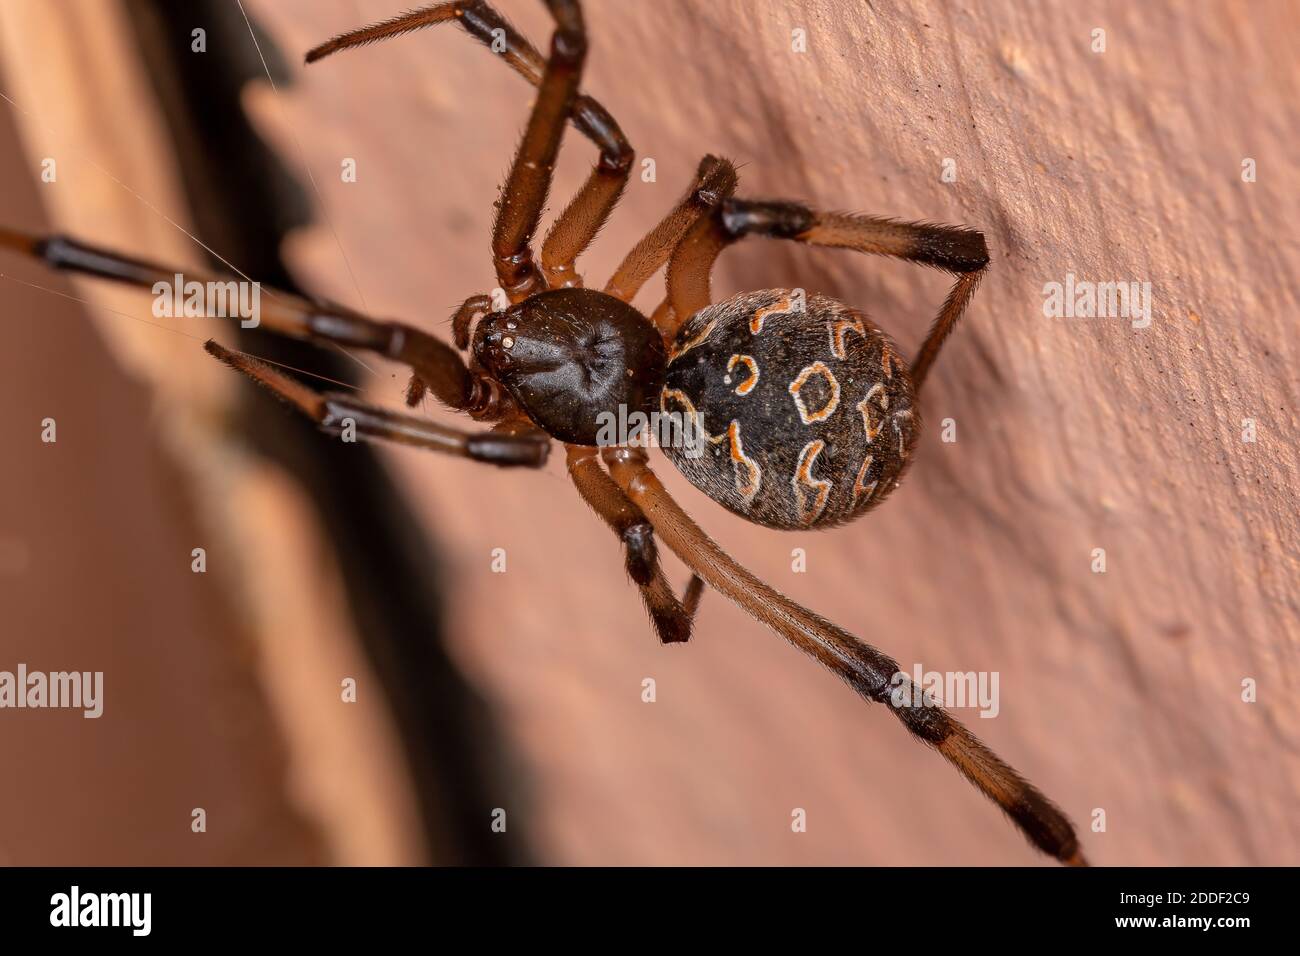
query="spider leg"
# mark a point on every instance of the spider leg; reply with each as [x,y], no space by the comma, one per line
[438,366]
[470,311]
[715,180]
[960,252]
[462,321]
[333,411]
[871,673]
[520,208]
[575,228]
[671,618]
[490,28]
[583,218]
[529,180]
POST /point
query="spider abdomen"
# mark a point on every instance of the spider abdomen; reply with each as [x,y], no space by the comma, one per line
[805,410]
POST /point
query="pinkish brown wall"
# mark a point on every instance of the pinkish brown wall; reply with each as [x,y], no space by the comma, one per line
[1120,691]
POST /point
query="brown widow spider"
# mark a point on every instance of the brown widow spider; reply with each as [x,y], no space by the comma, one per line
[817,411]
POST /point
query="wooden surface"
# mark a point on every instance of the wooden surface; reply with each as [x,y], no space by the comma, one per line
[95,536]
[1120,691]
[222,688]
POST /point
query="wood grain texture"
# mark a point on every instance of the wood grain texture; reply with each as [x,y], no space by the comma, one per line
[1120,691]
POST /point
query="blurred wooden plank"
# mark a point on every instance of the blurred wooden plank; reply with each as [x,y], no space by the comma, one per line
[226,686]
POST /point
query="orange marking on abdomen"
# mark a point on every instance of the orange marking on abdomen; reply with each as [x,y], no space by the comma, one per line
[902,442]
[825,412]
[747,386]
[695,340]
[859,489]
[810,505]
[866,408]
[839,328]
[696,417]
[749,476]
[756,320]
[887,360]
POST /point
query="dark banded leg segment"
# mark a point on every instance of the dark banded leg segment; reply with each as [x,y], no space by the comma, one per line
[671,618]
[875,676]
[958,251]
[333,412]
[588,211]
[437,366]
[558,100]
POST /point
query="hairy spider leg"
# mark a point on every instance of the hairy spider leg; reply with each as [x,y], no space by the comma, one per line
[958,251]
[875,676]
[437,364]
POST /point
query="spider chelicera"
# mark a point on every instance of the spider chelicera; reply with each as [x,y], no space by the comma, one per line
[806,412]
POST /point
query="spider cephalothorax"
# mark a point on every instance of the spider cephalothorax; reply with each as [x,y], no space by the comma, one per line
[807,412]
[571,358]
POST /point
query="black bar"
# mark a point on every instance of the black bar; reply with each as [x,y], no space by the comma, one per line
[913,907]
